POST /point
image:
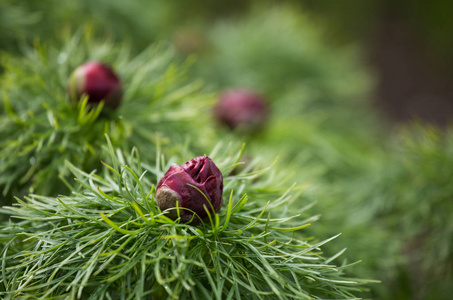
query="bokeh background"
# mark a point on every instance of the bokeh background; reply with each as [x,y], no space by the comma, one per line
[361,100]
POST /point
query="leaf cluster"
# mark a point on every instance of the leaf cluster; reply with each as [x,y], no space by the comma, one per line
[394,212]
[41,128]
[281,52]
[412,197]
[108,240]
[387,192]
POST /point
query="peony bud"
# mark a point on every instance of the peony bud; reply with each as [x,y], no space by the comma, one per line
[99,82]
[242,109]
[196,184]
[187,40]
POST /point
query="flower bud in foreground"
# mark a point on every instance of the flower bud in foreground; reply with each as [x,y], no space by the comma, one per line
[99,82]
[196,184]
[242,109]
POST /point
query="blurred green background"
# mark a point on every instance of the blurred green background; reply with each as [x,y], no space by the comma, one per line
[361,100]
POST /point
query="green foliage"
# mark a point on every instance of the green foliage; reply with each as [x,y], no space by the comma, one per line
[394,212]
[42,128]
[388,197]
[15,24]
[412,196]
[281,53]
[25,21]
[108,239]
[320,117]
[137,22]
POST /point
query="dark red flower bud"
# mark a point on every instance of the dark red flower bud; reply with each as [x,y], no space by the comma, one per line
[196,184]
[242,109]
[99,82]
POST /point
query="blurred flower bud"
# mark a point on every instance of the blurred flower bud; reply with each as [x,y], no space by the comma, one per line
[97,81]
[196,184]
[242,109]
[189,40]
